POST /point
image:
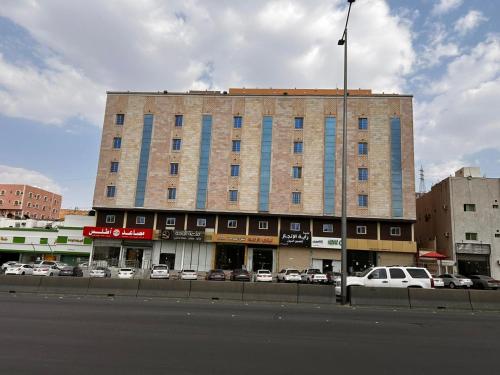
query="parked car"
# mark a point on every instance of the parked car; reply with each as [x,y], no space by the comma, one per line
[100,272]
[240,275]
[19,269]
[159,271]
[40,263]
[313,275]
[484,282]
[263,276]
[61,265]
[46,270]
[126,273]
[289,275]
[216,275]
[71,271]
[8,264]
[188,275]
[455,281]
[438,282]
[333,277]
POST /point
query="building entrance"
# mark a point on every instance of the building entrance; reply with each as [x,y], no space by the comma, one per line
[168,259]
[472,264]
[358,261]
[262,259]
[229,257]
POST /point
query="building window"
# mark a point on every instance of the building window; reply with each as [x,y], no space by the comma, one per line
[114,167]
[296,195]
[201,222]
[235,170]
[471,236]
[395,231]
[170,222]
[117,142]
[3,193]
[233,195]
[232,223]
[29,204]
[495,206]
[327,228]
[470,207]
[361,229]
[263,225]
[297,172]
[174,169]
[362,200]
[110,191]
[295,227]
[179,120]
[172,193]
[363,174]
[297,147]
[362,148]
[299,122]
[140,220]
[1,202]
[176,144]
[363,123]
[236,145]
[237,121]
[18,192]
[110,219]
[43,208]
[120,119]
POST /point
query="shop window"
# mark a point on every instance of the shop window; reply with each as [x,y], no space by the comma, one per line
[263,225]
[395,231]
[201,222]
[110,219]
[295,227]
[361,229]
[140,220]
[327,228]
[232,224]
[170,221]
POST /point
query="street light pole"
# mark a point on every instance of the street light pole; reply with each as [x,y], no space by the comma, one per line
[343,42]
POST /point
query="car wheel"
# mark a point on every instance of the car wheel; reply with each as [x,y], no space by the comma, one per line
[452,286]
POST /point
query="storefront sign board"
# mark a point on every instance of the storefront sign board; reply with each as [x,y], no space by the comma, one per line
[183,235]
[118,233]
[241,238]
[297,239]
[326,242]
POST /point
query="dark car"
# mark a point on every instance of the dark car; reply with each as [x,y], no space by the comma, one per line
[484,282]
[216,275]
[71,271]
[240,275]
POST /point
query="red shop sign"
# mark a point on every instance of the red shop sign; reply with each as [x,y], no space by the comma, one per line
[122,233]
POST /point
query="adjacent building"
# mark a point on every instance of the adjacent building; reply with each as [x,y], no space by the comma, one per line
[252,178]
[25,201]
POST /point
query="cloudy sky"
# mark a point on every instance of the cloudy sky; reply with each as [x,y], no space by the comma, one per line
[58,58]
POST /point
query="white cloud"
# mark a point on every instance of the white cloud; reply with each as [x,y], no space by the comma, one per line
[13,175]
[469,22]
[444,6]
[437,47]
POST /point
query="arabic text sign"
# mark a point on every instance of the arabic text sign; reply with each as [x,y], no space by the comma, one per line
[241,238]
[120,233]
[298,239]
[183,235]
[326,242]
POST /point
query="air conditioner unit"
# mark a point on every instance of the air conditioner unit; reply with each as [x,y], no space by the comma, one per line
[447,234]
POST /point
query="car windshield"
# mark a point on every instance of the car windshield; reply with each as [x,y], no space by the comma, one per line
[365,272]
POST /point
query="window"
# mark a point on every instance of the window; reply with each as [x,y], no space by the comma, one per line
[45,199]
[362,200]
[297,172]
[297,147]
[237,121]
[110,219]
[471,236]
[361,229]
[470,207]
[172,193]
[236,145]
[418,273]
[264,225]
[495,206]
[233,195]
[362,174]
[232,224]
[327,228]
[397,273]
[179,120]
[362,148]
[114,167]
[1,202]
[176,144]
[29,204]
[140,220]
[395,231]
[235,170]
[296,195]
[3,193]
[363,123]
[201,222]
[110,191]
[43,208]
[117,142]
[378,274]
[299,122]
[170,222]
[174,169]
[295,227]
[120,119]
[18,192]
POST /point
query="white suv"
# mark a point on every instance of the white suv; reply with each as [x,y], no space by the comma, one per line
[313,275]
[289,275]
[391,277]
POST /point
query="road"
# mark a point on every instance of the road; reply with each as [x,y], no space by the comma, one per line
[51,334]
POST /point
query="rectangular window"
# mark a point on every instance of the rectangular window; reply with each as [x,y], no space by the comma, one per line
[110,191]
[363,174]
[235,170]
[471,236]
[172,193]
[297,147]
[297,172]
[299,122]
[327,228]
[179,120]
[296,197]
[170,222]
[470,207]
[114,167]
[264,225]
[362,200]
[110,219]
[236,145]
[363,123]
[120,119]
[117,142]
[360,229]
[233,195]
[176,144]
[201,222]
[295,227]
[232,224]
[237,122]
[362,148]
[395,231]
[140,220]
[495,206]
[174,169]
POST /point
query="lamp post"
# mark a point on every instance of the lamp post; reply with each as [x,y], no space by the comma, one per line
[343,42]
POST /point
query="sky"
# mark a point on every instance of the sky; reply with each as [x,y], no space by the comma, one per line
[58,58]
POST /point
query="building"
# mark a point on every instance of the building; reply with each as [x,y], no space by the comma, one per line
[460,218]
[25,201]
[252,178]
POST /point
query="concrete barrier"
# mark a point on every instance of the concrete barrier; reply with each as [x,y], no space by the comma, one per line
[113,287]
[485,300]
[217,290]
[368,296]
[270,292]
[19,284]
[64,285]
[439,298]
[164,288]
[308,293]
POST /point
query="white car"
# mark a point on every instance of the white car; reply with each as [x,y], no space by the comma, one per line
[289,275]
[100,272]
[263,276]
[44,263]
[126,273]
[313,275]
[46,270]
[8,264]
[188,275]
[19,269]
[159,271]
[438,282]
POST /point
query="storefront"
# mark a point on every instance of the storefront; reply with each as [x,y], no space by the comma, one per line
[295,250]
[473,259]
[326,253]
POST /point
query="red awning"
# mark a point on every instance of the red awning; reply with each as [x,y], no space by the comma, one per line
[433,255]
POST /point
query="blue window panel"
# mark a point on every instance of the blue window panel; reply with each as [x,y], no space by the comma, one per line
[114,167]
[363,200]
[172,193]
[176,144]
[235,170]
[179,120]
[297,172]
[363,123]
[120,119]
[299,122]
[265,163]
[142,175]
[296,197]
[233,195]
[174,169]
[110,191]
[206,137]
[329,172]
[362,148]
[298,147]
[237,122]
[117,142]
[396,168]
[363,174]
[236,146]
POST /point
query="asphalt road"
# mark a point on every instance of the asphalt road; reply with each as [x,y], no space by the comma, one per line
[71,335]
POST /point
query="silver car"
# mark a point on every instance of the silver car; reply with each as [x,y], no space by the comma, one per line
[455,281]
